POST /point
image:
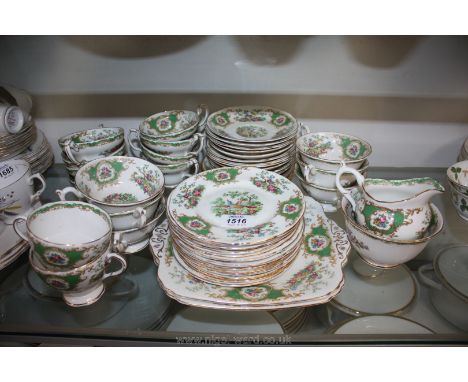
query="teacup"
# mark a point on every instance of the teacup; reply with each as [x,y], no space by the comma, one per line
[64,235]
[384,252]
[327,151]
[117,184]
[169,159]
[460,201]
[125,238]
[17,189]
[11,119]
[457,174]
[119,151]
[176,173]
[175,124]
[326,178]
[83,285]
[174,147]
[87,145]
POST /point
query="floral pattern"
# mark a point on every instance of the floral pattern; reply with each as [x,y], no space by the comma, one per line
[251,131]
[356,242]
[318,242]
[254,293]
[253,232]
[291,209]
[120,198]
[189,195]
[383,220]
[236,203]
[269,182]
[96,137]
[222,176]
[306,275]
[195,224]
[279,119]
[352,148]
[164,123]
[317,146]
[106,172]
[221,119]
[146,179]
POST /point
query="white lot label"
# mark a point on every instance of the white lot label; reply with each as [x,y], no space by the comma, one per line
[237,220]
[6,171]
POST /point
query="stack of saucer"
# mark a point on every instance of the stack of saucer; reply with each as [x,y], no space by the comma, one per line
[14,144]
[251,136]
[173,141]
[84,146]
[320,155]
[39,155]
[130,190]
[236,226]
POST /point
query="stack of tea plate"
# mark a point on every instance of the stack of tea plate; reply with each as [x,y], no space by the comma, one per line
[130,190]
[84,146]
[320,155]
[13,144]
[251,136]
[236,226]
[11,245]
[39,155]
[314,277]
[173,141]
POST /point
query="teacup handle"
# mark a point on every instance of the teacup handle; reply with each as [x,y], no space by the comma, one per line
[18,231]
[426,280]
[41,190]
[200,148]
[202,111]
[196,166]
[121,260]
[62,194]
[346,193]
[118,244]
[302,128]
[130,140]
[68,151]
[140,214]
[309,172]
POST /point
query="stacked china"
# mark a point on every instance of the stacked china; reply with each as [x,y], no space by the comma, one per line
[389,222]
[84,146]
[257,136]
[319,157]
[457,175]
[68,259]
[173,141]
[130,190]
[39,155]
[17,197]
[463,151]
[236,226]
[13,144]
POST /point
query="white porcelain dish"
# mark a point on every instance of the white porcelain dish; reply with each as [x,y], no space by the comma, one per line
[381,325]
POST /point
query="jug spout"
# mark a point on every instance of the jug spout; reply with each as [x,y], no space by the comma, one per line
[426,188]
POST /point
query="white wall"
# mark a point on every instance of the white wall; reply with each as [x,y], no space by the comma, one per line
[416,69]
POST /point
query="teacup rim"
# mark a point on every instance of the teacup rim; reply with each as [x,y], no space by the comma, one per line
[449,173]
[367,144]
[440,226]
[64,272]
[62,140]
[152,116]
[63,202]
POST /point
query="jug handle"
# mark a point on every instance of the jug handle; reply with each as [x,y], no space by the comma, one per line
[346,193]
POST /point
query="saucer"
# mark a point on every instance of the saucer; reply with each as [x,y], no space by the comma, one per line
[380,325]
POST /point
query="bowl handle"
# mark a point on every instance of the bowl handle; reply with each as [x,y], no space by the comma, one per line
[200,148]
[130,140]
[68,151]
[18,230]
[62,194]
[303,128]
[346,193]
[195,165]
[122,262]
[203,112]
[41,190]
[140,214]
[426,280]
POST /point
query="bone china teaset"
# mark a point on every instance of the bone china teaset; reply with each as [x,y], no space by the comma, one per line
[236,237]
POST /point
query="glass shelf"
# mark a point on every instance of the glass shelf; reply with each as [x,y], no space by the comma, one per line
[135,310]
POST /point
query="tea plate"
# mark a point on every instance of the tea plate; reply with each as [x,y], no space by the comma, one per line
[252,124]
[314,277]
[381,325]
[222,205]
